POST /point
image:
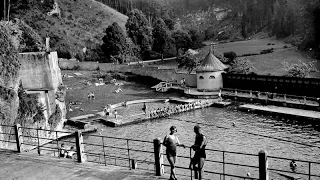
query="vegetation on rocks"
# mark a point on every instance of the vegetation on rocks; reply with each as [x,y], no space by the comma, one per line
[30,110]
[55,118]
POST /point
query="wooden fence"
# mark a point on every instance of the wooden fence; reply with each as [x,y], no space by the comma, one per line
[279,84]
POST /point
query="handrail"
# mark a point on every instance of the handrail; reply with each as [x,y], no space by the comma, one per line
[128,156]
[266,92]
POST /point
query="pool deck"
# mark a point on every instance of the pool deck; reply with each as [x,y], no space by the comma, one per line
[285,111]
[84,121]
[29,166]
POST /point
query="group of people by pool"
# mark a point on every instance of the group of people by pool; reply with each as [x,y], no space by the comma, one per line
[173,109]
[171,142]
[63,152]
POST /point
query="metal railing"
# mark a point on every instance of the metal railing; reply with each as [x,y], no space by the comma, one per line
[286,98]
[212,162]
[122,152]
[128,152]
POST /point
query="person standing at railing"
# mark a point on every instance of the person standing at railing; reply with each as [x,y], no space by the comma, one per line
[197,162]
[62,151]
[171,142]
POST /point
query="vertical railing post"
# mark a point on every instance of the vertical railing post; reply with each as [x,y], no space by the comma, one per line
[79,146]
[309,170]
[157,156]
[128,152]
[190,164]
[305,100]
[104,152]
[235,94]
[251,96]
[39,151]
[263,166]
[19,137]
[224,167]
[285,98]
[57,139]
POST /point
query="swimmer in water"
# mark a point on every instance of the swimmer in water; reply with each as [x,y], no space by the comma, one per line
[293,165]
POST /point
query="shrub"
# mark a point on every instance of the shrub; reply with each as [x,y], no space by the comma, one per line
[266,51]
[55,118]
[231,56]
[299,70]
[29,107]
[242,66]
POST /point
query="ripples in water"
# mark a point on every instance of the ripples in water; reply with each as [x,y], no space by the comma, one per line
[235,138]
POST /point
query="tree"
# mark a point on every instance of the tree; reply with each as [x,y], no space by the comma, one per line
[241,66]
[182,40]
[188,61]
[139,30]
[170,24]
[114,41]
[160,36]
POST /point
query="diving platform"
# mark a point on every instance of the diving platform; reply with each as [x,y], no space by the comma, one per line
[283,111]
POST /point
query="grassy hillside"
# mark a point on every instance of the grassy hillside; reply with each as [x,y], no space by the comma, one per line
[82,23]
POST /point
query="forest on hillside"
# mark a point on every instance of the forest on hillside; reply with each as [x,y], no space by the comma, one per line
[295,21]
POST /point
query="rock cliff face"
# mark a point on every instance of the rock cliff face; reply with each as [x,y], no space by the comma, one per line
[40,76]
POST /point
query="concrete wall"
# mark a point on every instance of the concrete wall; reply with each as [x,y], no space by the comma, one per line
[40,73]
[191,79]
[35,71]
[207,83]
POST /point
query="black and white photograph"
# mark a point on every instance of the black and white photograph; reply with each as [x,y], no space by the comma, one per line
[159,89]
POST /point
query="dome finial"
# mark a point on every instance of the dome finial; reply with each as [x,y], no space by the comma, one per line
[212,46]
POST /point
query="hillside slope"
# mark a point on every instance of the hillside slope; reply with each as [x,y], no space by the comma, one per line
[81,24]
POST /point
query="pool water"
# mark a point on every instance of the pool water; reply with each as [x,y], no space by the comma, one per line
[234,138]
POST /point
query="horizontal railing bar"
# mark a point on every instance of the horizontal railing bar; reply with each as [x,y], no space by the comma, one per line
[39,137]
[7,125]
[67,141]
[312,175]
[7,133]
[274,157]
[141,151]
[118,157]
[8,141]
[109,137]
[29,144]
[66,132]
[265,92]
[211,172]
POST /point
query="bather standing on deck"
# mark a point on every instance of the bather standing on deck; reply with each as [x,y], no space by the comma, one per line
[144,108]
[171,142]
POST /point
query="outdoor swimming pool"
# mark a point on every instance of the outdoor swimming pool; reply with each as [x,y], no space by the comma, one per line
[232,139]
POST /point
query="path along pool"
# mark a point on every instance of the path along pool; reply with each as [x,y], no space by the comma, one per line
[231,139]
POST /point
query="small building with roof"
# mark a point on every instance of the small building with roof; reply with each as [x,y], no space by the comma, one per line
[209,73]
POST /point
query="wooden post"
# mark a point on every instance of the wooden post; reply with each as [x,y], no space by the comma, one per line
[251,96]
[79,146]
[157,156]
[19,137]
[263,166]
[236,94]
[305,100]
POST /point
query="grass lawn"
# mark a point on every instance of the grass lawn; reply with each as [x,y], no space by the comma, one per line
[266,63]
[78,92]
